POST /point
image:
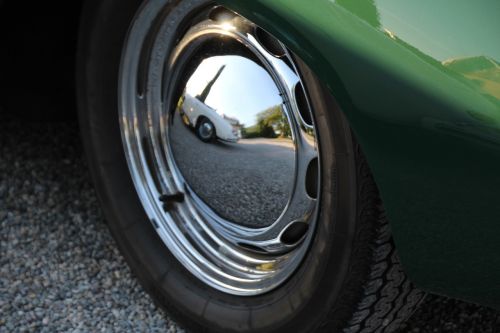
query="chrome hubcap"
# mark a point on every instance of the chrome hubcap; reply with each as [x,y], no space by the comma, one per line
[206,130]
[221,146]
[247,177]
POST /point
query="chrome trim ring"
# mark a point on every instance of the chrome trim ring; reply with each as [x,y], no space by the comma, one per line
[156,66]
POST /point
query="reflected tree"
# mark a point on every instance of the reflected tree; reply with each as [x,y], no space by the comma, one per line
[275,118]
[206,91]
[271,123]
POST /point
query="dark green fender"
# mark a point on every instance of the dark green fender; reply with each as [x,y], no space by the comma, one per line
[420,83]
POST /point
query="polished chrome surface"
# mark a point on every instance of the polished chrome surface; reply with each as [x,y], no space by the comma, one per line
[221,147]
[246,173]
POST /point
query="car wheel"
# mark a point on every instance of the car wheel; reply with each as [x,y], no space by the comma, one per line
[205,130]
[283,231]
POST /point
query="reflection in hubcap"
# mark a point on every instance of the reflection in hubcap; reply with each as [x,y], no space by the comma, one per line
[220,143]
[246,176]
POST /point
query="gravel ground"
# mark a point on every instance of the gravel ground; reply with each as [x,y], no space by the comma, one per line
[248,182]
[60,270]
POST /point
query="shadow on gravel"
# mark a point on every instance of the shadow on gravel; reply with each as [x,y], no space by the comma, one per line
[60,270]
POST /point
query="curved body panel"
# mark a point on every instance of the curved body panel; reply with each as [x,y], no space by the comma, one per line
[420,85]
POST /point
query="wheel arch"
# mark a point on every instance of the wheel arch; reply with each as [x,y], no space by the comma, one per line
[198,119]
[408,108]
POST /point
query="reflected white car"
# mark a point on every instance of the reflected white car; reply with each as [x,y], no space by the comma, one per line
[207,123]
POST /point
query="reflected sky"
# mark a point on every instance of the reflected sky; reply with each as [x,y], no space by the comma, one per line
[453,36]
[251,87]
[432,25]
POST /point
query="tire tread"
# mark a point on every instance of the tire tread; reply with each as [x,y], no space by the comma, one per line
[387,297]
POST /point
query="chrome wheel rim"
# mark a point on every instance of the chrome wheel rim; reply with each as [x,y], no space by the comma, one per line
[156,69]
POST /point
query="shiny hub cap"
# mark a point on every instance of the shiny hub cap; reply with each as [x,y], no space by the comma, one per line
[206,130]
[221,146]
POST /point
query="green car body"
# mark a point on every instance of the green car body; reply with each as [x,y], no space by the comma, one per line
[420,84]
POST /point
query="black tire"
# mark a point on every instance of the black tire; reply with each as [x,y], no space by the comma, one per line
[351,279]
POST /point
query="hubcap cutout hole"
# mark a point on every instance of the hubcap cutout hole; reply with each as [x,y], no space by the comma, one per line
[303,105]
[270,43]
[294,233]
[312,179]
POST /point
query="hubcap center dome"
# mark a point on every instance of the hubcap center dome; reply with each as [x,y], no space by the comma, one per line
[231,139]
